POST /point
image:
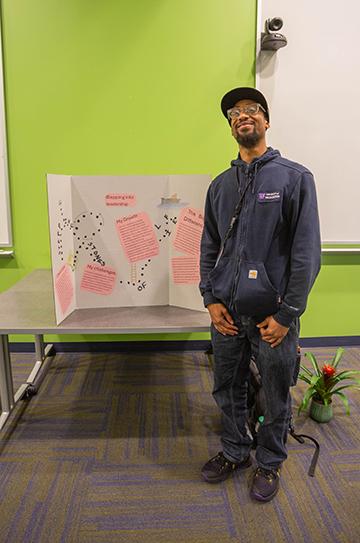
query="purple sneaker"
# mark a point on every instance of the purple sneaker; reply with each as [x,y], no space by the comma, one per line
[265,484]
[219,468]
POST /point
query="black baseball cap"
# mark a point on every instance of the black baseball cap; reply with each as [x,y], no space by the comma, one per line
[243,93]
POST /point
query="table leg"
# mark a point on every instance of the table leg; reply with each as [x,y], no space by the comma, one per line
[39,347]
[42,362]
[6,382]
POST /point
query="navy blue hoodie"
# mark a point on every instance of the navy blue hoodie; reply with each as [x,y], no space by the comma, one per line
[272,257]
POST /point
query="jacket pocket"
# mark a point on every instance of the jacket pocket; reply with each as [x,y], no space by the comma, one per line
[222,279]
[254,294]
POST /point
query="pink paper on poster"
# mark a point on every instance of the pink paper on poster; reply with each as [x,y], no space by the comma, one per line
[137,237]
[64,288]
[189,231]
[120,199]
[185,270]
[98,279]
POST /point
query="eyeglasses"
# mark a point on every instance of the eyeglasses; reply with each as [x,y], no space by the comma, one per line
[251,109]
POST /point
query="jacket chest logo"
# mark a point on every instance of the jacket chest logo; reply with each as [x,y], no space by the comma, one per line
[264,197]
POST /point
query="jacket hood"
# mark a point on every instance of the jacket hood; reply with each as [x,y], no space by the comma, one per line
[257,162]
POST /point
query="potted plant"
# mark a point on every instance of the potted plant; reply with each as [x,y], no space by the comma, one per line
[325,383]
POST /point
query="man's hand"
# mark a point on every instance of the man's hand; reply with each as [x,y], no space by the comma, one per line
[272,332]
[222,319]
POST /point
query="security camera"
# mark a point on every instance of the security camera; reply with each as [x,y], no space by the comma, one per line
[271,40]
[273,24]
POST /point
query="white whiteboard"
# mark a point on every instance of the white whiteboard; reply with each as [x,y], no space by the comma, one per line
[313,89]
[5,216]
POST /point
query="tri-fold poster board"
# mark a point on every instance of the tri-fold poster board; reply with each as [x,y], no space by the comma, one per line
[120,241]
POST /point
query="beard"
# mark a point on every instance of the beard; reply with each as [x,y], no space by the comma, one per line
[248,140]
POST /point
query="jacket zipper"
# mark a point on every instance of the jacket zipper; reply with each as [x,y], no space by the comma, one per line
[235,283]
[238,263]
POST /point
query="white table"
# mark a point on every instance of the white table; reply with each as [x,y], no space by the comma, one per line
[28,308]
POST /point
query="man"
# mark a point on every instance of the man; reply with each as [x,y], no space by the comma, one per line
[260,255]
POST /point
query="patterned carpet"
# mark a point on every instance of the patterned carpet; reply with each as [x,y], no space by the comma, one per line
[111,447]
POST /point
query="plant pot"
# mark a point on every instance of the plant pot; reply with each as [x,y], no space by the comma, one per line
[320,412]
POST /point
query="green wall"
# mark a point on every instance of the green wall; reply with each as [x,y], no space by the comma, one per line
[124,87]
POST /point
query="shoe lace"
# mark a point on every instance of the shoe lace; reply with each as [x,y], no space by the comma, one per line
[222,461]
[269,474]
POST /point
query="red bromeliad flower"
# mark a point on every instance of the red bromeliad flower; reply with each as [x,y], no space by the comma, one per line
[328,371]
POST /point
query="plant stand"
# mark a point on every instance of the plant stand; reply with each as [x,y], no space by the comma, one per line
[320,412]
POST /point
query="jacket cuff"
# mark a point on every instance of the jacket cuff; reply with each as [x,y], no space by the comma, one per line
[283,317]
[210,299]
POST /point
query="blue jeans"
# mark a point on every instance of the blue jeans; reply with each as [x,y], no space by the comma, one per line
[277,367]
